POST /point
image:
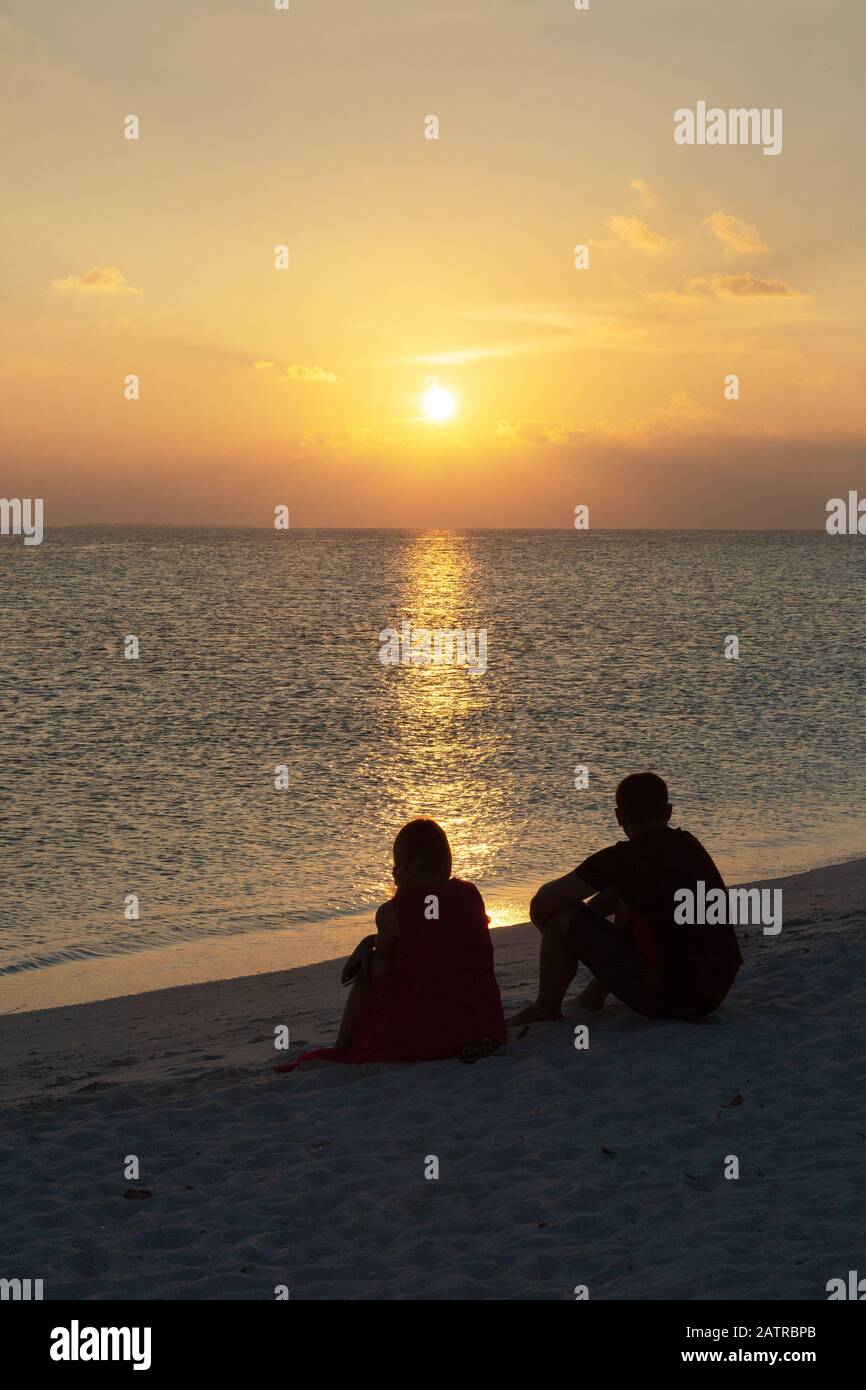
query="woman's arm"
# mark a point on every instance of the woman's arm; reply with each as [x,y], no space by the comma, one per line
[387,932]
[380,944]
[359,961]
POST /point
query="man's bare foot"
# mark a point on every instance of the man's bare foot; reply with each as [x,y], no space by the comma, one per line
[536,1013]
[592,997]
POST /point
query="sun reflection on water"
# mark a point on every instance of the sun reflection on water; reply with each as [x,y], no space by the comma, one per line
[443,718]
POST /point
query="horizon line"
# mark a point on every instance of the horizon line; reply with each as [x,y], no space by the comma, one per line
[220,526]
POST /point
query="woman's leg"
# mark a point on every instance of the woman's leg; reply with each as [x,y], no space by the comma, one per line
[359,997]
[358,1002]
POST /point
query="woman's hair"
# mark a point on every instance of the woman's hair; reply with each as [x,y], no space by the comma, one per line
[422,853]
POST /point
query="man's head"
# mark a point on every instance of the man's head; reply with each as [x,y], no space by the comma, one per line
[642,802]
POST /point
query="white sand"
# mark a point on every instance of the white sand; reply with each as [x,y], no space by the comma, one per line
[316,1180]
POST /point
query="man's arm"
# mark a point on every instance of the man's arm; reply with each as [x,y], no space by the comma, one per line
[606,903]
[568,891]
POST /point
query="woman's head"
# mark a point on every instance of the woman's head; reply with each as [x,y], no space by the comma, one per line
[422,853]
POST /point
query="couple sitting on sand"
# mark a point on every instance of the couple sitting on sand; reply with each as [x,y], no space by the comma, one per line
[424,987]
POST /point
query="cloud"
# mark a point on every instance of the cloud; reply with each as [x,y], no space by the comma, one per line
[649,196]
[296,372]
[618,332]
[681,416]
[737,237]
[566,331]
[102,279]
[493,351]
[530,431]
[537,432]
[364,434]
[636,234]
[317,374]
[549,316]
[744,286]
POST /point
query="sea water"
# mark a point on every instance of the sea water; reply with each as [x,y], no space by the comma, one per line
[140,802]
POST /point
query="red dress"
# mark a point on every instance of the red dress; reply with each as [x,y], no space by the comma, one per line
[441,994]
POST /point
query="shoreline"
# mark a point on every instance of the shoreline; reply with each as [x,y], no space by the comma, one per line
[833,889]
[215,958]
[559,1166]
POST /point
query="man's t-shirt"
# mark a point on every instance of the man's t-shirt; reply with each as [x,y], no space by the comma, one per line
[686,964]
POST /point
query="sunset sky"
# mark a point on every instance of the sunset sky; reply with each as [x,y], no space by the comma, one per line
[413,259]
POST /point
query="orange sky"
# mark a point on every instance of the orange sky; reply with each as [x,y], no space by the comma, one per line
[413,258]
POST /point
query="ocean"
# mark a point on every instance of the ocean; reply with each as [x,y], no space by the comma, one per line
[247,772]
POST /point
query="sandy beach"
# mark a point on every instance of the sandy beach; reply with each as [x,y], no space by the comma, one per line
[558,1166]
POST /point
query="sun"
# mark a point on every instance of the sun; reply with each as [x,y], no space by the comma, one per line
[438,403]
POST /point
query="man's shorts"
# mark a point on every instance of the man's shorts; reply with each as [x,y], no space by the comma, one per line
[616,962]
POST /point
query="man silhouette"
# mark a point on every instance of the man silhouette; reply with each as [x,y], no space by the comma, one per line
[659,968]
